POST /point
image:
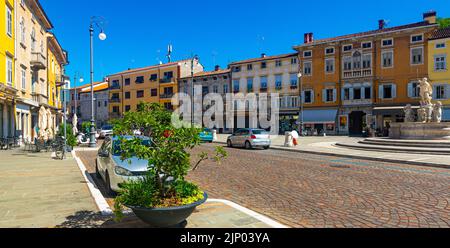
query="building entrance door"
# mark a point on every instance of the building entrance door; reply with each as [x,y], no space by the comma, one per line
[356,123]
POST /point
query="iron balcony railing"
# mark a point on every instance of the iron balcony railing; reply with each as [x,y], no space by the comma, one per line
[166,80]
[167,96]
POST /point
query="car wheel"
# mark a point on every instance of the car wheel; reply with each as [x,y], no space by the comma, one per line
[266,147]
[109,190]
[229,144]
[248,146]
[97,172]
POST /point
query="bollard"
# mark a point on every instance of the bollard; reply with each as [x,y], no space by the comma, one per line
[214,132]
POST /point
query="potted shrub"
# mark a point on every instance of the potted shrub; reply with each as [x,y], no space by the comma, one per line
[71,139]
[164,197]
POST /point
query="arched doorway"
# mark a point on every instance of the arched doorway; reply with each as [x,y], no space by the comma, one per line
[357,120]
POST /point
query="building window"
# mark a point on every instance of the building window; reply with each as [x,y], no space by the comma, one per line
[99,104]
[116,109]
[357,94]
[154,92]
[366,45]
[236,85]
[249,85]
[294,61]
[127,81]
[440,62]
[367,61]
[387,59]
[329,51]
[9,70]
[387,91]
[127,108]
[154,78]
[307,54]
[139,80]
[279,82]
[413,89]
[237,69]
[106,104]
[416,38]
[249,67]
[308,96]
[347,48]
[168,106]
[278,63]
[225,88]
[9,21]
[140,94]
[205,90]
[440,92]
[263,65]
[127,95]
[387,42]
[307,68]
[168,75]
[367,92]
[263,82]
[24,79]
[347,63]
[215,89]
[294,80]
[329,95]
[22,31]
[417,56]
[346,94]
[329,66]
[440,45]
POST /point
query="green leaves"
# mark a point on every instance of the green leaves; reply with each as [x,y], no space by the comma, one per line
[168,157]
[443,22]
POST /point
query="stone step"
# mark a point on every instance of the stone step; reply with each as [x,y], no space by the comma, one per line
[406,143]
[396,149]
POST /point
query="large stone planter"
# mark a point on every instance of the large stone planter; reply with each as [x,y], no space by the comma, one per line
[166,217]
[420,131]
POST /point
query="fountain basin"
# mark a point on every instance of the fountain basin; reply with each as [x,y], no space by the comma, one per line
[420,131]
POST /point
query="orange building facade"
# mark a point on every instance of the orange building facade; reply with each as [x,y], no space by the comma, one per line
[364,80]
[153,84]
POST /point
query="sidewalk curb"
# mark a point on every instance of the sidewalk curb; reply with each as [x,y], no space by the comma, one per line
[387,160]
[99,200]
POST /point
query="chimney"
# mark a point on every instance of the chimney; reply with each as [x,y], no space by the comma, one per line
[217,68]
[263,55]
[430,17]
[381,24]
[309,38]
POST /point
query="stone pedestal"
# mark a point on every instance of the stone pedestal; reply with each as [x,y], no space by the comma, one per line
[420,131]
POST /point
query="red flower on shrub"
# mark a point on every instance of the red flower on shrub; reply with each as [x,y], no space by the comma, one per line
[168,133]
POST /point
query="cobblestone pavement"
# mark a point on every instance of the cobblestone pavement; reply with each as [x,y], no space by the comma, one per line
[302,190]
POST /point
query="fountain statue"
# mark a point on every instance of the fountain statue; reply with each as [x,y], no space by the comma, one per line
[429,117]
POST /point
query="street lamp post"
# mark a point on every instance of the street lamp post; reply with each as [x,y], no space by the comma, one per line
[302,100]
[102,36]
[194,58]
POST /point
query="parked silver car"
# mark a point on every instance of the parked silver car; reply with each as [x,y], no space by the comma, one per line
[250,138]
[110,168]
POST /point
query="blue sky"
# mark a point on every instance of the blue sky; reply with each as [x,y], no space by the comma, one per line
[219,31]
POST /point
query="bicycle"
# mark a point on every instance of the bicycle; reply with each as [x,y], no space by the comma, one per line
[58,146]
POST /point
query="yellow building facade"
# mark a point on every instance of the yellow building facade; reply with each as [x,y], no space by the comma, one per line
[7,82]
[153,84]
[438,68]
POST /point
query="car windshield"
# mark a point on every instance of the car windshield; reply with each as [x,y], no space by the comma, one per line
[117,150]
[257,132]
[107,127]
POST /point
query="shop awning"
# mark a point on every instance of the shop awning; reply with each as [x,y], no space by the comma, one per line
[320,116]
[446,114]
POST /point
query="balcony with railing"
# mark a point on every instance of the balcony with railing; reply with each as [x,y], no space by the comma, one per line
[40,98]
[166,80]
[114,100]
[38,61]
[358,73]
[61,79]
[115,87]
[167,96]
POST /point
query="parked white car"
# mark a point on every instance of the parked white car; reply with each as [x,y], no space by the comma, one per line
[250,138]
[106,131]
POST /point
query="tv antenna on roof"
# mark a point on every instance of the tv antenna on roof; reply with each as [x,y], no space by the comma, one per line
[169,52]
